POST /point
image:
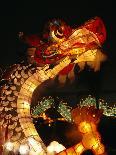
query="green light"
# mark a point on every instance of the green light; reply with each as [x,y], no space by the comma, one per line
[45,104]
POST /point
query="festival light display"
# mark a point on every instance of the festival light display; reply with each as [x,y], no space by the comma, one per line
[87,119]
[108,109]
[65,110]
[47,103]
[64,47]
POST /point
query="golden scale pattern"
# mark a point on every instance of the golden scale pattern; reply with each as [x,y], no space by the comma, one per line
[8,104]
[16,99]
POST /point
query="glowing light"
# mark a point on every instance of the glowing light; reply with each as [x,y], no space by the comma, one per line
[26,105]
[54,148]
[84,127]
[9,146]
[24,149]
[108,110]
[43,106]
[79,148]
[47,103]
[36,145]
[87,126]
[101,149]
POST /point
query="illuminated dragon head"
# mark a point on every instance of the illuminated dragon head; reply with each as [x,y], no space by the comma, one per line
[82,45]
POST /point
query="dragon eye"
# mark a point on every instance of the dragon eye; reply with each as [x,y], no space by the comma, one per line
[58,33]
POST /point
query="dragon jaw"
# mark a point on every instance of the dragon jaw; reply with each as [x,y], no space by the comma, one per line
[82,46]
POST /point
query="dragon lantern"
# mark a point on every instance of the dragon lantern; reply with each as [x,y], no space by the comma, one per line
[82,45]
[57,53]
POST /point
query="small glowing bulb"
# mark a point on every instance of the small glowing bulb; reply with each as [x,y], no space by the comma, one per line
[49,124]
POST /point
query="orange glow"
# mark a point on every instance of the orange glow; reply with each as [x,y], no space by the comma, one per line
[87,120]
[85,127]
[79,148]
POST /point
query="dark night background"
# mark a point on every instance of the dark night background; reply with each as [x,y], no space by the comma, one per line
[30,17]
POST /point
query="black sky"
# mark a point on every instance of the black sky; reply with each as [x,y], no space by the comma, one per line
[31,16]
